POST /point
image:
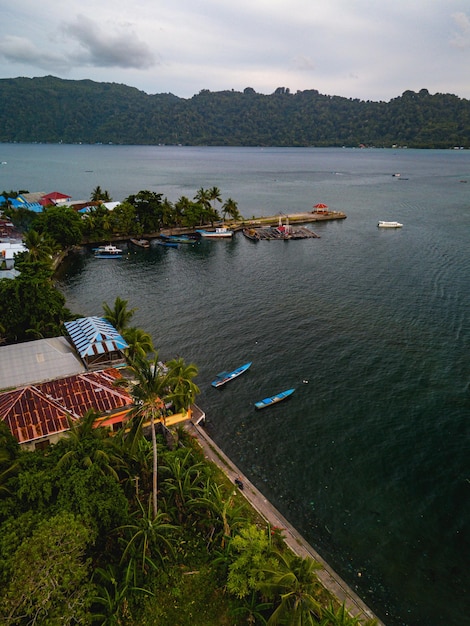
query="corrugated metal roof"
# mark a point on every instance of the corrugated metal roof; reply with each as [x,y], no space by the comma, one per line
[35,361]
[94,335]
[41,410]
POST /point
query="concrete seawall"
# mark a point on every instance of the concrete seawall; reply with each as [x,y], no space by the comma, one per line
[327,576]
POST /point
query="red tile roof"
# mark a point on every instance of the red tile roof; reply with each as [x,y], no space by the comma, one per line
[41,410]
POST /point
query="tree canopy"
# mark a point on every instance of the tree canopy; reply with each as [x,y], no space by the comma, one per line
[50,109]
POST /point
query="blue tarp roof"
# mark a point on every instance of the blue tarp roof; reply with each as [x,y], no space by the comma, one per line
[94,335]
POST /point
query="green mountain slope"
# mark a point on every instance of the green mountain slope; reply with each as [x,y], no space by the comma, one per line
[53,110]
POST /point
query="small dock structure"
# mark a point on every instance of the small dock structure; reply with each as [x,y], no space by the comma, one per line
[283,232]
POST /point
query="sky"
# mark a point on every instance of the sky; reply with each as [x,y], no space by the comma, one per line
[366,49]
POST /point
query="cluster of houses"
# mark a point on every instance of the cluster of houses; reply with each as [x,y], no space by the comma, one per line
[50,383]
[10,241]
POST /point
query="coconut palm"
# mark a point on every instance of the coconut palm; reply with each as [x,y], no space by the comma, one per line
[149,390]
[140,343]
[119,316]
[183,389]
[214,196]
[39,248]
[294,583]
[88,445]
[230,207]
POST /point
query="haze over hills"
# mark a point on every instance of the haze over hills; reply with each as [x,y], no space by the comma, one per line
[53,110]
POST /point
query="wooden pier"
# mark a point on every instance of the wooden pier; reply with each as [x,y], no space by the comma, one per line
[285,233]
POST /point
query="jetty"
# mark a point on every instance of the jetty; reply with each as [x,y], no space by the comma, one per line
[327,576]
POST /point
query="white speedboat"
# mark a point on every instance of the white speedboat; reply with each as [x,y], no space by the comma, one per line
[382,224]
[108,252]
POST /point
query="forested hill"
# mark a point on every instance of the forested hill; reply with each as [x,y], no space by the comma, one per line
[53,110]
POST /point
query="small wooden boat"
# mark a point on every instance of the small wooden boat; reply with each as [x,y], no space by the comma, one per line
[218,233]
[141,243]
[224,377]
[382,224]
[274,399]
[251,233]
[107,252]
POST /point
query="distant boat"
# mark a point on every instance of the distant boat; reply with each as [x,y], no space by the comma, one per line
[220,232]
[274,399]
[224,377]
[382,224]
[141,243]
[108,252]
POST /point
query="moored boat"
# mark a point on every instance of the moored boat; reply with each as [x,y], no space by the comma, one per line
[108,252]
[189,239]
[220,232]
[274,399]
[224,377]
[382,224]
[141,243]
[166,244]
[251,233]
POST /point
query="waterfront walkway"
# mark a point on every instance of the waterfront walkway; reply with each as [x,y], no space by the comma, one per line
[329,578]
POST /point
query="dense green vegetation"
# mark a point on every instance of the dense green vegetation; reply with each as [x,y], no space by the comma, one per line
[53,110]
[113,529]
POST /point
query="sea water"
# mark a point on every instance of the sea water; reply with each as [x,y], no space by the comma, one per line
[369,458]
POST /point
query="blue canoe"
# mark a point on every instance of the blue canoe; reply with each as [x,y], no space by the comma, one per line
[274,399]
[224,377]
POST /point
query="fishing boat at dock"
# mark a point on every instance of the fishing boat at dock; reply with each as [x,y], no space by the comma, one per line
[218,233]
[107,252]
[251,234]
[224,377]
[188,239]
[274,399]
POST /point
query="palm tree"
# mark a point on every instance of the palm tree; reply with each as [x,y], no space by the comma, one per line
[183,389]
[214,196]
[148,533]
[295,583]
[88,445]
[39,248]
[120,315]
[140,343]
[149,390]
[184,479]
[98,195]
[230,207]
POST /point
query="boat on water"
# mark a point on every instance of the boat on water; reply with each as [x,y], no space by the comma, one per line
[167,244]
[251,233]
[108,252]
[224,377]
[274,399]
[188,239]
[382,224]
[218,233]
[141,243]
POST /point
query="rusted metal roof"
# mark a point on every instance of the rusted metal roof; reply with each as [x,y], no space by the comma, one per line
[38,411]
[92,336]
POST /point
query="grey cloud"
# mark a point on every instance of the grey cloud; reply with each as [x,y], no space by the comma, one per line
[102,48]
[20,50]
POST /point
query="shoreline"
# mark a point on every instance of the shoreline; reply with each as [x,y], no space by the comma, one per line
[291,537]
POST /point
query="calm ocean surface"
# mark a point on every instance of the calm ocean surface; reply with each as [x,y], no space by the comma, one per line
[370,457]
